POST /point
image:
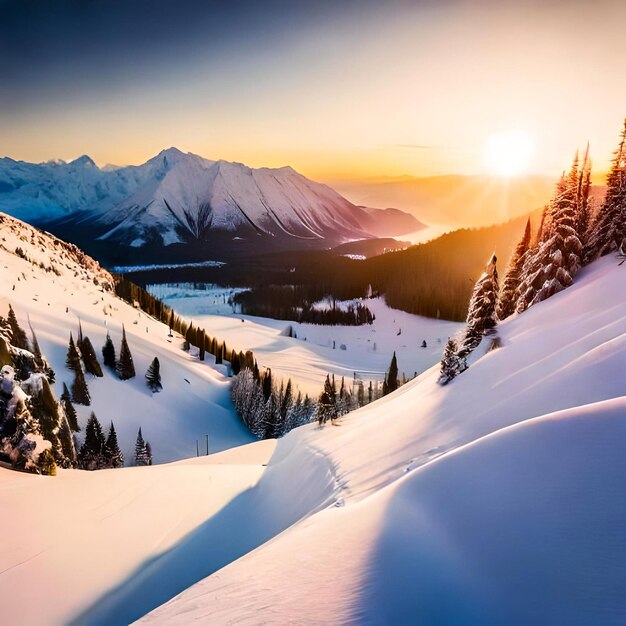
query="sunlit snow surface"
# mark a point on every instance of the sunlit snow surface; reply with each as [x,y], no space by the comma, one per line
[317,350]
[438,505]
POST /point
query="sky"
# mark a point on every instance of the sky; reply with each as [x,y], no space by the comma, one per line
[338,90]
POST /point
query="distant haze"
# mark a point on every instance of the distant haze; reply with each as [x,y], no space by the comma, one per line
[453,201]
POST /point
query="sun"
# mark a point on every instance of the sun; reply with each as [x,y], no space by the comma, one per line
[509,153]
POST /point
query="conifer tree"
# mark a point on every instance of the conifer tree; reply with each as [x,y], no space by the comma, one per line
[125,366]
[391,379]
[141,458]
[327,403]
[609,229]
[67,443]
[89,358]
[92,452]
[451,363]
[481,315]
[148,453]
[112,452]
[286,404]
[201,344]
[18,336]
[108,353]
[45,410]
[36,350]
[190,336]
[267,384]
[72,360]
[80,391]
[509,292]
[69,409]
[235,363]
[79,338]
[153,376]
[551,266]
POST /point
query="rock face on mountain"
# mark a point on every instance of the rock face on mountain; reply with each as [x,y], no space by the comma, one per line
[177,198]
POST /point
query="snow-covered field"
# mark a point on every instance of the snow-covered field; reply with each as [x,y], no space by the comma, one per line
[497,499]
[317,350]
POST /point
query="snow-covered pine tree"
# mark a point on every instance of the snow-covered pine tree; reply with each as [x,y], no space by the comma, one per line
[285,408]
[481,315]
[451,363]
[45,409]
[92,455]
[112,452]
[148,453]
[70,411]
[90,359]
[609,228]
[80,391]
[391,378]
[270,419]
[141,458]
[125,367]
[18,336]
[267,385]
[67,441]
[552,265]
[108,353]
[72,360]
[153,376]
[327,403]
[507,300]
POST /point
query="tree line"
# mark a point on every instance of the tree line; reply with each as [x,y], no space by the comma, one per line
[571,234]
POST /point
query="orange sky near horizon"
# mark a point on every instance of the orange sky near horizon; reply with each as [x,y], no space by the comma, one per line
[414,92]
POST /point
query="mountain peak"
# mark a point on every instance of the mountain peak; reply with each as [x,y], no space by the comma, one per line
[84,161]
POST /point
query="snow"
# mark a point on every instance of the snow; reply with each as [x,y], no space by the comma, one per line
[195,400]
[309,357]
[80,533]
[524,526]
[495,499]
[157,198]
[466,503]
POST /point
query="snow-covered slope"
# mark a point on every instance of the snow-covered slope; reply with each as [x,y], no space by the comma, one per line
[522,525]
[471,503]
[55,285]
[177,197]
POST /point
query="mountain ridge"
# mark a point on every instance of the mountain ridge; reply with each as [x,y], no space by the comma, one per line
[178,198]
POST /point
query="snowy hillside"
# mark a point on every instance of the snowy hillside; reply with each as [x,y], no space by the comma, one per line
[176,197]
[54,285]
[519,526]
[469,503]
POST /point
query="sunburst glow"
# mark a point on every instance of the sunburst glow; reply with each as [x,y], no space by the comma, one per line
[509,153]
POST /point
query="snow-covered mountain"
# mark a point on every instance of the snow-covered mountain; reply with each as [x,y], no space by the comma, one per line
[177,197]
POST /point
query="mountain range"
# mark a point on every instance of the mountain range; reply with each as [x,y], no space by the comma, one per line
[182,198]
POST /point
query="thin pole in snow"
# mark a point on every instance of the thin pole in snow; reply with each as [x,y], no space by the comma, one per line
[207,445]
[197,448]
